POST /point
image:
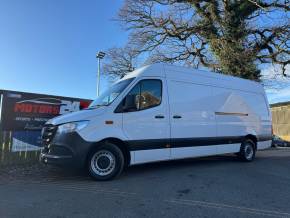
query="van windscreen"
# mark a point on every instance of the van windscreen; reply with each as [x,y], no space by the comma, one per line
[108,96]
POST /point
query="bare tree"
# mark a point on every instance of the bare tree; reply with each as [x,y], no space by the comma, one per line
[230,36]
[120,61]
[273,79]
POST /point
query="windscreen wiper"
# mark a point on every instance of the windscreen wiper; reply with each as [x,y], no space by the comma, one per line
[95,106]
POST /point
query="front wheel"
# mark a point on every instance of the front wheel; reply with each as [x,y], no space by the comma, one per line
[105,162]
[247,152]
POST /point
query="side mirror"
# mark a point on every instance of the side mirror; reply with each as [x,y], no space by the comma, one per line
[129,103]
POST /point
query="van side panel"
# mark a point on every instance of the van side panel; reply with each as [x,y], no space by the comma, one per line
[234,116]
[240,113]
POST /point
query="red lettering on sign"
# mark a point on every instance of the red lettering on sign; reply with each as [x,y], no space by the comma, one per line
[19,108]
[55,110]
[49,110]
[36,108]
[42,109]
[28,108]
[84,104]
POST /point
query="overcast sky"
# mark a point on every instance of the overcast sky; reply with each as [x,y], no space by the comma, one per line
[49,46]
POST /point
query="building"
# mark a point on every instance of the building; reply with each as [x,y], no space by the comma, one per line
[281,119]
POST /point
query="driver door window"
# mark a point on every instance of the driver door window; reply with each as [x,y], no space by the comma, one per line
[146,94]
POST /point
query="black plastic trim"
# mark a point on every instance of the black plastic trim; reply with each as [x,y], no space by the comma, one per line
[231,113]
[149,144]
[67,145]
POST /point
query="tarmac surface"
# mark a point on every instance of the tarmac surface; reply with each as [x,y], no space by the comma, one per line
[220,186]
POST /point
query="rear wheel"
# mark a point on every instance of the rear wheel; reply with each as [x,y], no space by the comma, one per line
[247,152]
[105,162]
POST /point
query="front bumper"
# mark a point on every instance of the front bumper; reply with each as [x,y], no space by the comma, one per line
[68,149]
[55,160]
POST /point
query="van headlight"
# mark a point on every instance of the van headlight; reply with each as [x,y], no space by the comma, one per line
[71,127]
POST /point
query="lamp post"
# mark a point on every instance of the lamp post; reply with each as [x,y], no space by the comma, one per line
[100,55]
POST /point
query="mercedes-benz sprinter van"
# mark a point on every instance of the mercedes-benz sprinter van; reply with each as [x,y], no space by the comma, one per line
[161,112]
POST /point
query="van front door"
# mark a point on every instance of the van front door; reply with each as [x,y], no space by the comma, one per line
[146,121]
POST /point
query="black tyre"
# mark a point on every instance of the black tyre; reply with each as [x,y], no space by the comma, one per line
[247,152]
[105,162]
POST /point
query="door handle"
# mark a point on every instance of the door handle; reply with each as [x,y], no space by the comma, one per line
[159,116]
[177,117]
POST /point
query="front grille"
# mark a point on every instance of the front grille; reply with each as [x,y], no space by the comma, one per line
[48,133]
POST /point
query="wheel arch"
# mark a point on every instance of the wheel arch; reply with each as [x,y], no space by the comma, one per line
[253,138]
[119,143]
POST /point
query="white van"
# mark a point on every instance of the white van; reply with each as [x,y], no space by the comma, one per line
[161,112]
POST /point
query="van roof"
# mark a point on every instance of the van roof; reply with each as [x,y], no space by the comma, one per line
[173,71]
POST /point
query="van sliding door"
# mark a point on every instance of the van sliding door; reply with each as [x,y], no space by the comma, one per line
[193,127]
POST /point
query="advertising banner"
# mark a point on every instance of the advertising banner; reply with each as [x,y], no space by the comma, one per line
[26,141]
[24,114]
[28,111]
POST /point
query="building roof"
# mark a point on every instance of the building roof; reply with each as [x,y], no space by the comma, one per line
[279,104]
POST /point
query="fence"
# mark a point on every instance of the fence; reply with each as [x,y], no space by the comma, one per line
[281,120]
[7,157]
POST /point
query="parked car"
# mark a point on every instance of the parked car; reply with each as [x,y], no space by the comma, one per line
[161,112]
[278,142]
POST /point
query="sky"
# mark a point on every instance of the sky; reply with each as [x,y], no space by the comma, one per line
[49,46]
[277,86]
